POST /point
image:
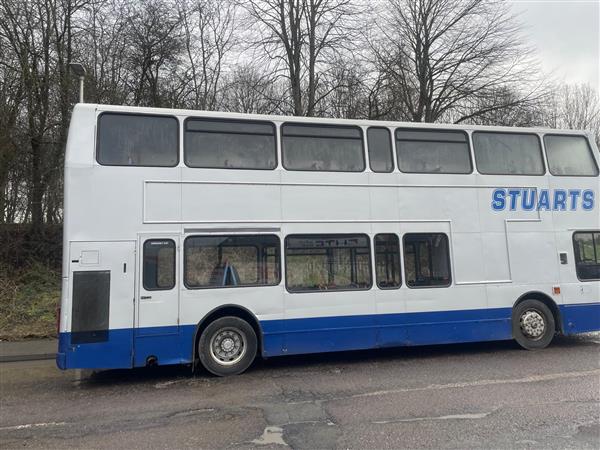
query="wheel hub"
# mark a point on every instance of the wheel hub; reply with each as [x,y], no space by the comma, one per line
[228,346]
[532,324]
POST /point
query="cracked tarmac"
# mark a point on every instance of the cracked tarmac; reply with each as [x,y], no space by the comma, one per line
[491,395]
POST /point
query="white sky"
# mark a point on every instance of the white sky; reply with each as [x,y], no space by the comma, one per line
[566,34]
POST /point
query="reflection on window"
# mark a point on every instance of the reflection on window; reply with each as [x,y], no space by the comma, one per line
[387,261]
[137,140]
[587,255]
[380,149]
[508,153]
[159,264]
[435,151]
[426,259]
[230,144]
[570,155]
[327,262]
[322,148]
[220,261]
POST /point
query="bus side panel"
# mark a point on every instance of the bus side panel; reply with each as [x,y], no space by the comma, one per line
[445,327]
[340,333]
[580,318]
[97,330]
[169,345]
[114,353]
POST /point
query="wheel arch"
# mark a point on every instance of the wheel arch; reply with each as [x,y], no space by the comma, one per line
[546,300]
[224,311]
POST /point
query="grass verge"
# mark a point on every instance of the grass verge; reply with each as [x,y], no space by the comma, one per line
[29,297]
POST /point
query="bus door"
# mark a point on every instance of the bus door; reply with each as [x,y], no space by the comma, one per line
[157,317]
[101,284]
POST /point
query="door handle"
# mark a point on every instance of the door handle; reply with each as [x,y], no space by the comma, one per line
[145,297]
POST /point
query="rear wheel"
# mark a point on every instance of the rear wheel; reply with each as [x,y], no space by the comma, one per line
[227,346]
[533,324]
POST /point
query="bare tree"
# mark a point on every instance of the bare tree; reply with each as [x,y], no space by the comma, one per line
[575,107]
[27,30]
[155,43]
[208,27]
[299,36]
[349,96]
[249,90]
[443,55]
[103,36]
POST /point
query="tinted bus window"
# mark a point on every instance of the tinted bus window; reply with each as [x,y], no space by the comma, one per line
[433,151]
[569,155]
[426,260]
[379,143]
[322,148]
[159,264]
[387,261]
[508,153]
[137,140]
[231,261]
[230,144]
[327,262]
[587,254]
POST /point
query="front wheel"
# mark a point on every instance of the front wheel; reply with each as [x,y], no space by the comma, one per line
[227,346]
[533,324]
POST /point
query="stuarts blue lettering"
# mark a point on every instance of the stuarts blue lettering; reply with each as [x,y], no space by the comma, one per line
[499,200]
[544,201]
[574,194]
[560,200]
[528,201]
[587,200]
[514,194]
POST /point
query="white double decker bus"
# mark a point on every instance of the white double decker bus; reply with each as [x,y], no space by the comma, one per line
[213,238]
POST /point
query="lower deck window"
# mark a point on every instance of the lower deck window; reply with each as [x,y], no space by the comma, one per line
[387,261]
[327,262]
[229,261]
[587,254]
[426,260]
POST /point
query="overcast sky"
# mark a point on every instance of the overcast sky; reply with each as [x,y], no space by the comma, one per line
[566,35]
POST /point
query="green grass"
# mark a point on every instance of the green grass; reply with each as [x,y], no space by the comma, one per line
[28,301]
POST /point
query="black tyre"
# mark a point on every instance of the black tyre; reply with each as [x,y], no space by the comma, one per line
[533,324]
[227,346]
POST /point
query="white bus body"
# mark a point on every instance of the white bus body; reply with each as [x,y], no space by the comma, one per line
[470,246]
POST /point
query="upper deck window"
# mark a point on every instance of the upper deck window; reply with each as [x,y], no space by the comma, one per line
[569,155]
[229,144]
[433,151]
[322,148]
[137,140]
[508,153]
[380,149]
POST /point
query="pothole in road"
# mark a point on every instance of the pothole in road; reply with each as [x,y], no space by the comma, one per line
[271,435]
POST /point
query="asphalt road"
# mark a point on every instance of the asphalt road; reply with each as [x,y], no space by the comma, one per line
[491,395]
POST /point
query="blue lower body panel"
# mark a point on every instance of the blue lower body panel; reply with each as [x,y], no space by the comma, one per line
[113,353]
[580,318]
[126,348]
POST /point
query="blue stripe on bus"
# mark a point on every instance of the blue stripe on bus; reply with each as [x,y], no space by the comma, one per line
[580,318]
[174,345]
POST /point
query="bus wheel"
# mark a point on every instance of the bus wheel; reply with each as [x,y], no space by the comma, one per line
[533,324]
[227,346]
